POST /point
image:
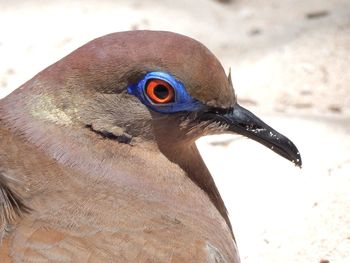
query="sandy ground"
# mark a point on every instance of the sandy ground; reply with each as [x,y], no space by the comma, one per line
[290,61]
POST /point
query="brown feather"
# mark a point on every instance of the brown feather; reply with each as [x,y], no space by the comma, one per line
[12,206]
[100,171]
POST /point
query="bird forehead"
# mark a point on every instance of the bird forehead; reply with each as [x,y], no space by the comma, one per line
[122,54]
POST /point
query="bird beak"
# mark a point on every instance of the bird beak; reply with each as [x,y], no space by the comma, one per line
[242,121]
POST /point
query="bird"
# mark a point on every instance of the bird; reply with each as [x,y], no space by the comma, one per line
[98,161]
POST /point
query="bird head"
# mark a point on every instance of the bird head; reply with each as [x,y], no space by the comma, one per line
[161,86]
[150,86]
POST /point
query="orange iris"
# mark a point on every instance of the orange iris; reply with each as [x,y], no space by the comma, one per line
[160,91]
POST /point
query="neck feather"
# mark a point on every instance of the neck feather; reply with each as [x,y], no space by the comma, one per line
[189,159]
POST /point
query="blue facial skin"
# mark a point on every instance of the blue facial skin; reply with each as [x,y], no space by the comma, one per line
[182,101]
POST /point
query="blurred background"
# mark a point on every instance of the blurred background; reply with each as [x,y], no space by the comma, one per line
[290,62]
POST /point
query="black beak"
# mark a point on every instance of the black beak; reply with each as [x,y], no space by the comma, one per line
[242,121]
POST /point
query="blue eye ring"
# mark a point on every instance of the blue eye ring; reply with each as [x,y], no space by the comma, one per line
[181,101]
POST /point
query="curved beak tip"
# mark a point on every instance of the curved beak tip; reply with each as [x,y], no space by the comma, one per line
[244,122]
[297,161]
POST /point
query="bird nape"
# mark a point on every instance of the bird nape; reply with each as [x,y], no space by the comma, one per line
[98,160]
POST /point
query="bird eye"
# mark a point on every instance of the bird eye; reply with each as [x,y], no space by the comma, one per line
[159,91]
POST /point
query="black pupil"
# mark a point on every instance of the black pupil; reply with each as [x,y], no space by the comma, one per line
[161,91]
